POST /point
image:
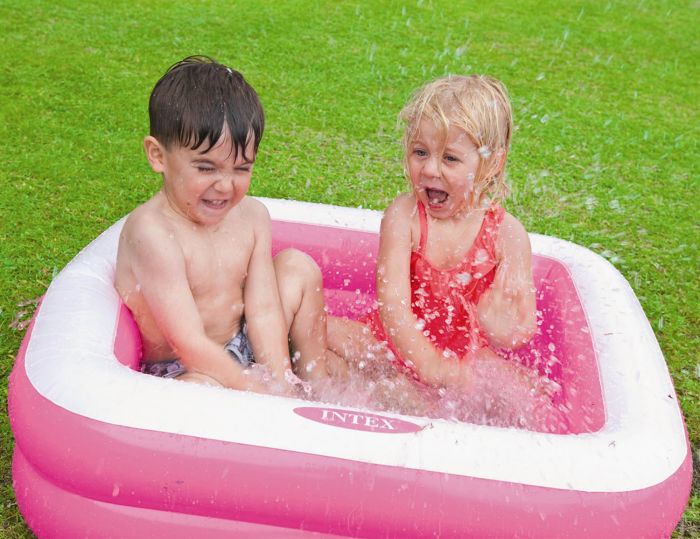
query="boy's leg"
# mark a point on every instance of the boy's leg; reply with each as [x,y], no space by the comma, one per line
[198,378]
[300,285]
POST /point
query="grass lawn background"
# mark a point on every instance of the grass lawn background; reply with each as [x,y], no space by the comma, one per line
[605,152]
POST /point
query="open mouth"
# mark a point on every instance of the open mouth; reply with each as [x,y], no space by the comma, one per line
[436,196]
[215,204]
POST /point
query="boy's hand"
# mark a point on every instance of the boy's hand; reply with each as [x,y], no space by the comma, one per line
[285,384]
[254,381]
[297,386]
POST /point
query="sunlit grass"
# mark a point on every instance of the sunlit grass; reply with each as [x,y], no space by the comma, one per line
[605,153]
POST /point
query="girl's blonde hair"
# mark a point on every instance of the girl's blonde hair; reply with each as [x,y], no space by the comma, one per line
[478,105]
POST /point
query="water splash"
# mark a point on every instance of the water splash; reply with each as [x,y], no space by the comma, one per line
[502,393]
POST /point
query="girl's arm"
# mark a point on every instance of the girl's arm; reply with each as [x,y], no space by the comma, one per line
[394,295]
[506,311]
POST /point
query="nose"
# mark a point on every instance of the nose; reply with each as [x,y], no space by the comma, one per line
[224,184]
[431,167]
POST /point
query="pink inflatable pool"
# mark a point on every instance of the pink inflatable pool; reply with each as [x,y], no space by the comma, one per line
[104,451]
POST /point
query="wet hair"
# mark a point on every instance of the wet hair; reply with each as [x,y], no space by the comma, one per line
[197,98]
[477,104]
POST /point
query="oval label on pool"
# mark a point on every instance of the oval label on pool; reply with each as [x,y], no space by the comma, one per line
[350,419]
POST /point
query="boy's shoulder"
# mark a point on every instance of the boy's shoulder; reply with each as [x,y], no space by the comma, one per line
[252,213]
[252,207]
[146,220]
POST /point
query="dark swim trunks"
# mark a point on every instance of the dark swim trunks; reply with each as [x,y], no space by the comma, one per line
[239,348]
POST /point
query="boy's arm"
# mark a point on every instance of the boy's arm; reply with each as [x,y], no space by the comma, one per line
[507,309]
[158,265]
[394,295]
[267,329]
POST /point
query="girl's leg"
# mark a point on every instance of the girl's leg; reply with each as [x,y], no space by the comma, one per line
[374,372]
[511,394]
[337,347]
[353,341]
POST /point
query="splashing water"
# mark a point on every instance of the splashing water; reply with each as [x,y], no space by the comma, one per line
[502,393]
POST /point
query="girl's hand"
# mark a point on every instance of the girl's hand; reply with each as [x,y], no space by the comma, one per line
[456,373]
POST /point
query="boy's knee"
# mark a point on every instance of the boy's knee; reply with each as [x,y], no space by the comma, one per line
[297,265]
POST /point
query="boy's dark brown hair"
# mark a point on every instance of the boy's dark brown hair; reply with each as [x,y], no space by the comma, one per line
[197,98]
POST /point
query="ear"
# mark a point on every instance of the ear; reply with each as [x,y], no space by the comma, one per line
[155,153]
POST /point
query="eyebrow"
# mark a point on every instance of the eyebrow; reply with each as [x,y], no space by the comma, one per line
[201,161]
[417,142]
[204,160]
[450,148]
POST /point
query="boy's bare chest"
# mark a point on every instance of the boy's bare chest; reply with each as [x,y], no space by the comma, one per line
[217,264]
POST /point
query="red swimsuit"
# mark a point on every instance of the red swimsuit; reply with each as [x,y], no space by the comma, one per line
[445,300]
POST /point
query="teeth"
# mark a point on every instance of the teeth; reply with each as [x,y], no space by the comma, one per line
[436,196]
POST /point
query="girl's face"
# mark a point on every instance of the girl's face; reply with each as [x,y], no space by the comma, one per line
[443,170]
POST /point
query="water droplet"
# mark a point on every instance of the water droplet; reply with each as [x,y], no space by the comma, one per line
[463,278]
[484,152]
[311,366]
[480,257]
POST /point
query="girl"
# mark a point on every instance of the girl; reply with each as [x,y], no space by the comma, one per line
[454,279]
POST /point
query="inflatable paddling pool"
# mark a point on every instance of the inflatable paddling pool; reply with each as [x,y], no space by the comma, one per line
[102,450]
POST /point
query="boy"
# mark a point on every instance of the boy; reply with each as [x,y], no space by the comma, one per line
[194,263]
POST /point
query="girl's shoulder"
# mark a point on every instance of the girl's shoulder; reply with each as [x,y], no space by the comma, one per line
[511,225]
[400,221]
[405,203]
[402,209]
[512,236]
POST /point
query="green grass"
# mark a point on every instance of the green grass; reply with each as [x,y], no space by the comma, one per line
[605,152]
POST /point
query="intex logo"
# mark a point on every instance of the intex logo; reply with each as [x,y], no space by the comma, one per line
[349,419]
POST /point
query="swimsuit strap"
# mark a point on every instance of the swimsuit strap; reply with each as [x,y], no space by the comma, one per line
[423,227]
[490,226]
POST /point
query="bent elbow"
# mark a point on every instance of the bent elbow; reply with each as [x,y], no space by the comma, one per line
[514,337]
[523,334]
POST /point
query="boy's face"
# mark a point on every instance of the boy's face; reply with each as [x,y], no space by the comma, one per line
[203,187]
